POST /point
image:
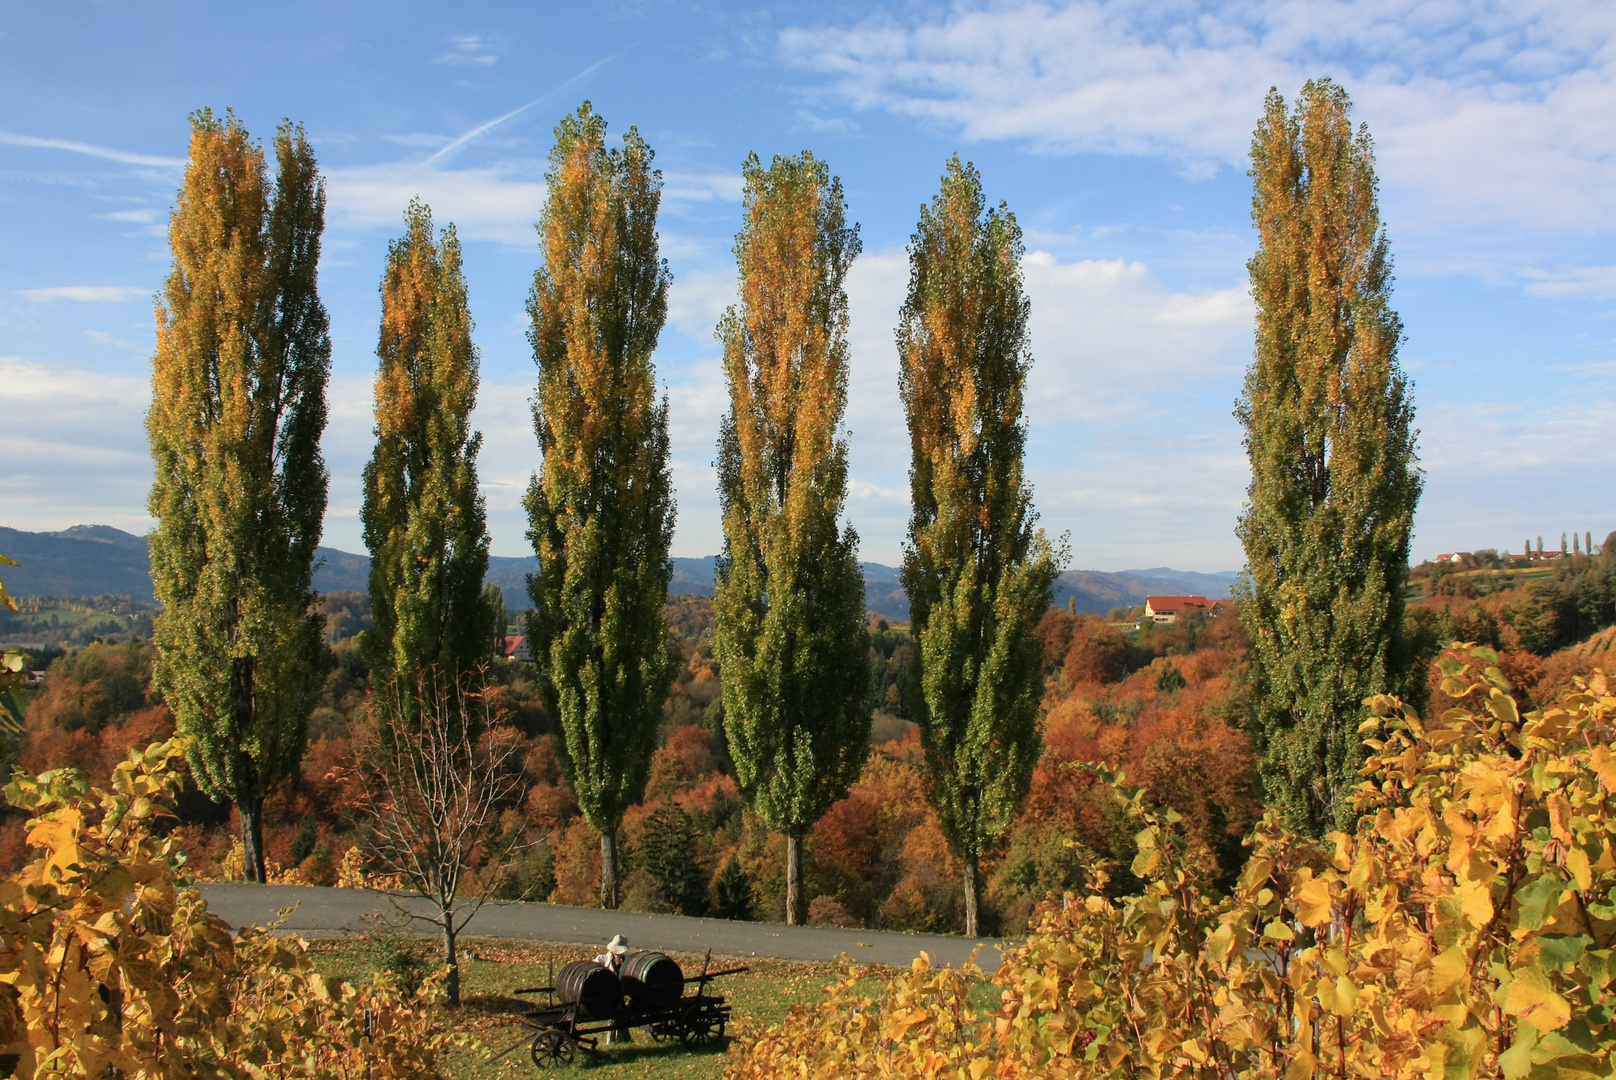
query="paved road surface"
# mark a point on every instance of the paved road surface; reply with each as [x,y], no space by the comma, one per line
[325,912]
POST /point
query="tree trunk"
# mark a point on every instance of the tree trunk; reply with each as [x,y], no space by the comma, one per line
[795,915]
[608,869]
[252,838]
[970,894]
[451,986]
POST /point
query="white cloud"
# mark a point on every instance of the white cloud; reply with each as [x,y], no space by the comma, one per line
[468,49]
[109,153]
[101,337]
[87,294]
[74,443]
[697,300]
[499,203]
[1482,111]
[1593,282]
[1560,452]
[143,216]
[702,187]
[1109,338]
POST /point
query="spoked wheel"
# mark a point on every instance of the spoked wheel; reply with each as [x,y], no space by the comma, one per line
[663,1032]
[552,1049]
[701,1027]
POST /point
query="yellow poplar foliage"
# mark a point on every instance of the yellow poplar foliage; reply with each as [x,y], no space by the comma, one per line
[1464,930]
[110,966]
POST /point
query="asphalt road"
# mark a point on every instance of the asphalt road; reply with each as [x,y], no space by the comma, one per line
[327,912]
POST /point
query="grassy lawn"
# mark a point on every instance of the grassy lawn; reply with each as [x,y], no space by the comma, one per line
[491,970]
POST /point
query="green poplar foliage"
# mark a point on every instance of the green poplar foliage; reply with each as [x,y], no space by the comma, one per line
[601,512]
[424,519]
[789,605]
[238,406]
[1329,431]
[978,574]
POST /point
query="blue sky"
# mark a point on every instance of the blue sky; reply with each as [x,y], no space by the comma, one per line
[1115,131]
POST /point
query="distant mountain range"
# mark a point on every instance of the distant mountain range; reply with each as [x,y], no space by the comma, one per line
[92,560]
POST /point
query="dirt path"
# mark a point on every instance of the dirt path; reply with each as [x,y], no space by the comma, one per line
[324,912]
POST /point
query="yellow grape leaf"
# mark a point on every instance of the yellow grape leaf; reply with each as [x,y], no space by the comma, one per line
[1313,902]
[1577,862]
[1477,901]
[1532,998]
[1447,968]
[1301,1067]
[1346,996]
[60,836]
[1603,762]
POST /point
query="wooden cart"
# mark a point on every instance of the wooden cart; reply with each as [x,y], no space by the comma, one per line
[587,1000]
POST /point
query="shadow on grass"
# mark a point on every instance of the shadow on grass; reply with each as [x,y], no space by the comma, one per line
[495,1005]
[643,1050]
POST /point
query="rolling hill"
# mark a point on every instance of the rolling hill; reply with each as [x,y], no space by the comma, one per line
[92,560]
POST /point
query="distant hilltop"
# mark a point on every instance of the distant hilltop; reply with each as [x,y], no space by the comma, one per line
[96,560]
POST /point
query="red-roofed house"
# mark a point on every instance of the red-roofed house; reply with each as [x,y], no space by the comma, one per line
[516,648]
[1167,609]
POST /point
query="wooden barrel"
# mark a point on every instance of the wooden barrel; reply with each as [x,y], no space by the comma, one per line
[651,978]
[594,989]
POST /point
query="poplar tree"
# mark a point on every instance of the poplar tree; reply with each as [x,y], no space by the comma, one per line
[789,601]
[238,406]
[424,519]
[1334,481]
[602,509]
[978,574]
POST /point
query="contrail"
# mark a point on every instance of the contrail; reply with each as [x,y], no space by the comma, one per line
[480,128]
[105,152]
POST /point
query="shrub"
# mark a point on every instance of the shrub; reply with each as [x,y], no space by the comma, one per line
[1464,930]
[828,911]
[110,963]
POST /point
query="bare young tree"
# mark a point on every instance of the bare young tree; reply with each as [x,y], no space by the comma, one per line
[434,789]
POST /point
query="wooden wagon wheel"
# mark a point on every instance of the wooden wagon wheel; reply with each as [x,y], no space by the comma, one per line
[701,1026]
[552,1049]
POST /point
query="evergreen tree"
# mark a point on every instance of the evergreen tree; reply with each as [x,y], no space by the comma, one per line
[733,891]
[789,605]
[978,574]
[238,407]
[1329,432]
[668,853]
[602,510]
[423,516]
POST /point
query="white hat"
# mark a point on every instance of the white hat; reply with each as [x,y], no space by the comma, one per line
[618,945]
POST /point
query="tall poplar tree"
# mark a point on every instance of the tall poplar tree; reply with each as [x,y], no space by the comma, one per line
[424,519]
[1329,431]
[789,605]
[238,406]
[978,573]
[601,511]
